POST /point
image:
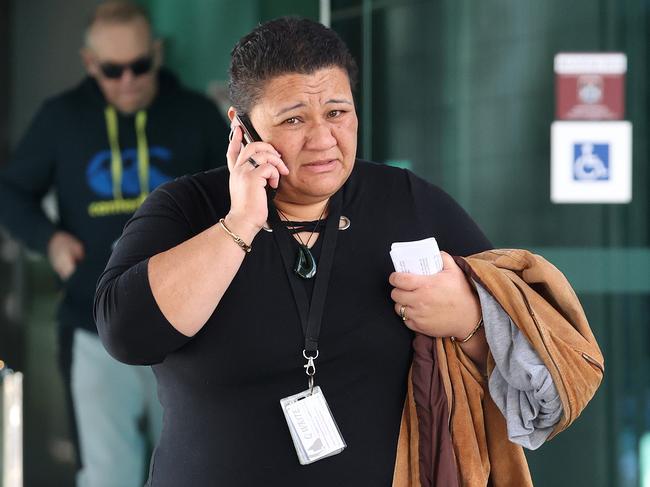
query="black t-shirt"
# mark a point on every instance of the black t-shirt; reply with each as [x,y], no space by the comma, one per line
[220,389]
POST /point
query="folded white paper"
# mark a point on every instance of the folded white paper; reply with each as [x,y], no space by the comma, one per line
[420,257]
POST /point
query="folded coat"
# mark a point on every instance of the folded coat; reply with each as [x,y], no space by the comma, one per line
[452,433]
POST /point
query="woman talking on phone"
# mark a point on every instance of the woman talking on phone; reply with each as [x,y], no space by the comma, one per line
[264,295]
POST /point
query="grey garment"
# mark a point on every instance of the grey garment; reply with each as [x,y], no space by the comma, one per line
[520,385]
[117,412]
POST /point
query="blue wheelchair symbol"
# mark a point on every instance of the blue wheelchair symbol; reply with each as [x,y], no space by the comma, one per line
[590,162]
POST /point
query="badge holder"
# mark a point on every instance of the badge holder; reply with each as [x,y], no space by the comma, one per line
[313,429]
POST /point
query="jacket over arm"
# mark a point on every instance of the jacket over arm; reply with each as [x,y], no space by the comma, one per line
[543,306]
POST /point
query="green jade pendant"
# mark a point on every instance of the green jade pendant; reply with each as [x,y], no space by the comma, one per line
[305,265]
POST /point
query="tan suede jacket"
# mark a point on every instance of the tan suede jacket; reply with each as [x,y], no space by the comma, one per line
[452,433]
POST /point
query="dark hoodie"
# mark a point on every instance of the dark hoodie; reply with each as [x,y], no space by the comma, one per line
[67,148]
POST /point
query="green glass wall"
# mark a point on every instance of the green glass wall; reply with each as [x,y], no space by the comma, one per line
[462,91]
[199,34]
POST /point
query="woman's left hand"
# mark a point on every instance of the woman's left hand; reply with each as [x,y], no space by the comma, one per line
[441,305]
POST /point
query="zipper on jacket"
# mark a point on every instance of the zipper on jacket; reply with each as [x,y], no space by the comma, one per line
[593,362]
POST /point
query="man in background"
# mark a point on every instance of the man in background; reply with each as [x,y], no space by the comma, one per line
[103,146]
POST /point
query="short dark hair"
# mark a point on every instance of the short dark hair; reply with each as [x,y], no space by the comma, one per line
[283,46]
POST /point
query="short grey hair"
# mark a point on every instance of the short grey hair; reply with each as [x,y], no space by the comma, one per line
[115,11]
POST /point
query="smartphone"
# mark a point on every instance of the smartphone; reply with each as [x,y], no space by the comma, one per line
[251,135]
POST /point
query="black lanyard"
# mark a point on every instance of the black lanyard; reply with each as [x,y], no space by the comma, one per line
[311,315]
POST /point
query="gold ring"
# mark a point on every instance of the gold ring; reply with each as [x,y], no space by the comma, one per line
[402,312]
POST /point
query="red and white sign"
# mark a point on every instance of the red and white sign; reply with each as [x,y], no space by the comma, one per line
[590,86]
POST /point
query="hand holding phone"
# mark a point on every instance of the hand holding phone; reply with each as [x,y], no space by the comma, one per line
[250,135]
[249,182]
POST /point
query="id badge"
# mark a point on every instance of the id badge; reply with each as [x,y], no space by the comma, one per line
[314,432]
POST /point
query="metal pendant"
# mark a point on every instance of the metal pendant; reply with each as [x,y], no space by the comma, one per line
[305,266]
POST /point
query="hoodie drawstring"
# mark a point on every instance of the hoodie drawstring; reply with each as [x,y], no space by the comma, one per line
[116,157]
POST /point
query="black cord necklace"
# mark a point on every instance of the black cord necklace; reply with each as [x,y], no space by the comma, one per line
[305,265]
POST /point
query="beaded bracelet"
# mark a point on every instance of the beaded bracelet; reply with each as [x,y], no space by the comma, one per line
[471,333]
[238,240]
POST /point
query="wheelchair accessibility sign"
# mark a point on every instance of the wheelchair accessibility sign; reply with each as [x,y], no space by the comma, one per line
[591,162]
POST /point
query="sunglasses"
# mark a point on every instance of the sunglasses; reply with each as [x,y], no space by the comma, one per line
[140,66]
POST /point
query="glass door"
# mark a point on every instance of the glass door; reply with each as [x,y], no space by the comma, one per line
[462,92]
